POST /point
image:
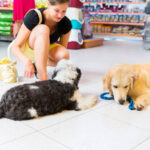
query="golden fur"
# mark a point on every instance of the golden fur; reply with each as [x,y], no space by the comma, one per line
[129,79]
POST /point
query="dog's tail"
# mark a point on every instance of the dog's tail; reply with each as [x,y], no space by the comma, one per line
[86,101]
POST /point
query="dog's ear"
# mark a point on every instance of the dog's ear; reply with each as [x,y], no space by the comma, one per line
[107,82]
[133,78]
[79,73]
[54,74]
[78,77]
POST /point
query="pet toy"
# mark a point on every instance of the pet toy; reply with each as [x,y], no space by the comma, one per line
[131,105]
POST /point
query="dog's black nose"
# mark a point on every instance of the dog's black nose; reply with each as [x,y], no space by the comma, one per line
[121,101]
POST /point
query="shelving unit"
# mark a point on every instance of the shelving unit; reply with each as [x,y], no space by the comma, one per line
[119,23]
[114,19]
[108,2]
[6,37]
[6,8]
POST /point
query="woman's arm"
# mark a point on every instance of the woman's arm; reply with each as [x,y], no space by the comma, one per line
[17,50]
[64,39]
[22,36]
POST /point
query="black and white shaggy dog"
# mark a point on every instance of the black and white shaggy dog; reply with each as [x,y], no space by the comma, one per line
[41,98]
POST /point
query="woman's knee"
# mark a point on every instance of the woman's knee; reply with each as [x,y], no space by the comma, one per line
[38,32]
[41,29]
[62,54]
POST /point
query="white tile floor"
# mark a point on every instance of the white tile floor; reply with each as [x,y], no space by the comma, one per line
[107,126]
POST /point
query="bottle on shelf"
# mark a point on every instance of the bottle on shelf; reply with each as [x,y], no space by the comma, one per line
[146,38]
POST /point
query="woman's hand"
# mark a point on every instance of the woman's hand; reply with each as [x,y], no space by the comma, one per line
[29,69]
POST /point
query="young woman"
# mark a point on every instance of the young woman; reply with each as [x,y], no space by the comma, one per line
[37,42]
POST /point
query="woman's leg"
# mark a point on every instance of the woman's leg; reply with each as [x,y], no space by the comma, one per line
[17,26]
[56,54]
[39,42]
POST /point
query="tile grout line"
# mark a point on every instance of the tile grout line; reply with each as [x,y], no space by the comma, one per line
[15,139]
[55,140]
[70,118]
[36,130]
[140,143]
[144,140]
[123,121]
[39,131]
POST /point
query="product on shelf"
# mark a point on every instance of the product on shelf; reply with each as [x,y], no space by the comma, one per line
[5,23]
[117,17]
[124,30]
[41,3]
[146,37]
[5,3]
[112,1]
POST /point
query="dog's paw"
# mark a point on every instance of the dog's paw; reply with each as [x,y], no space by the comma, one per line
[138,106]
[86,102]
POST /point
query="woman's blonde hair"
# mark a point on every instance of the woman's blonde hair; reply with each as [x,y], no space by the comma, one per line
[55,2]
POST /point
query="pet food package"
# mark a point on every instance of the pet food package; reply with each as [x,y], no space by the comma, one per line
[74,13]
[5,23]
[6,17]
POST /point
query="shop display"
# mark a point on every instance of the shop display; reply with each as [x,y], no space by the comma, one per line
[117,17]
[107,17]
[6,3]
[6,14]
[5,23]
[74,13]
[146,38]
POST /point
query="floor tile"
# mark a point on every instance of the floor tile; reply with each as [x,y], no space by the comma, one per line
[34,141]
[140,119]
[52,120]
[106,126]
[11,130]
[144,146]
[94,131]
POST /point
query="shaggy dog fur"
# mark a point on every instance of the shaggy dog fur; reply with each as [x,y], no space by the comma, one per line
[129,79]
[46,97]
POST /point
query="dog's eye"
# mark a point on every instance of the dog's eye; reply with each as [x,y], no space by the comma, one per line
[115,86]
[125,86]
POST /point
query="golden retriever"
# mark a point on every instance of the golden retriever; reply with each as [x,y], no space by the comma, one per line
[129,79]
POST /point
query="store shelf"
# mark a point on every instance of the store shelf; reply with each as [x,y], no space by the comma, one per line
[118,23]
[118,37]
[111,3]
[118,13]
[6,8]
[6,38]
[118,34]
